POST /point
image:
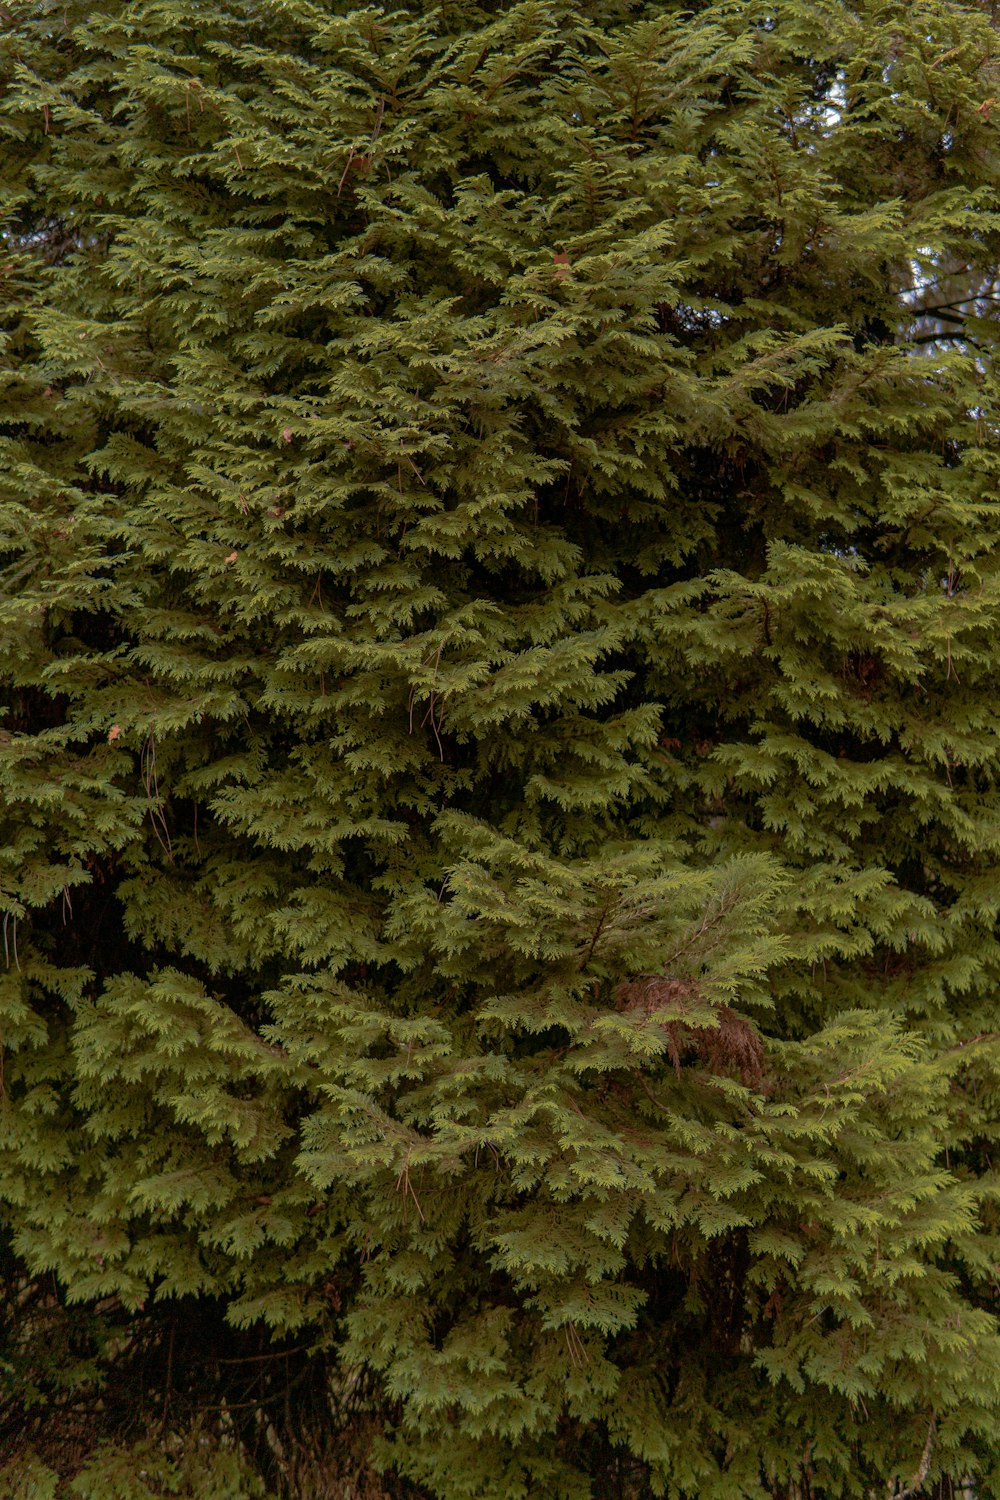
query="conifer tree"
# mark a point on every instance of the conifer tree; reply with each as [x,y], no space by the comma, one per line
[499,761]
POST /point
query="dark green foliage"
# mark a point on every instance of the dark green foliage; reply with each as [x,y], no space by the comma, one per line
[499,768]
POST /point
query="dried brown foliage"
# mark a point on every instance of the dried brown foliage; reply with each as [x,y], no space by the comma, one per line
[731,1046]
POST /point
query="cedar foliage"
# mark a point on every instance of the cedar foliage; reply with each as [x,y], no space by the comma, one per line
[498,640]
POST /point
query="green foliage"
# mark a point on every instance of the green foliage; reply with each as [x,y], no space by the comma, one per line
[499,603]
[143,1471]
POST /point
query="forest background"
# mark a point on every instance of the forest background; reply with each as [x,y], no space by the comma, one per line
[499,604]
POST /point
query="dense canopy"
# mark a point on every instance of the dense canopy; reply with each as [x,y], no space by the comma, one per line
[499,603]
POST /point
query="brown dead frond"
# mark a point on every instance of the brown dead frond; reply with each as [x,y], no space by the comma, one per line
[732,1046]
[652,992]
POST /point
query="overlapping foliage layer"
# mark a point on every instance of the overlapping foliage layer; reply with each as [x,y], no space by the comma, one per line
[499,636]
